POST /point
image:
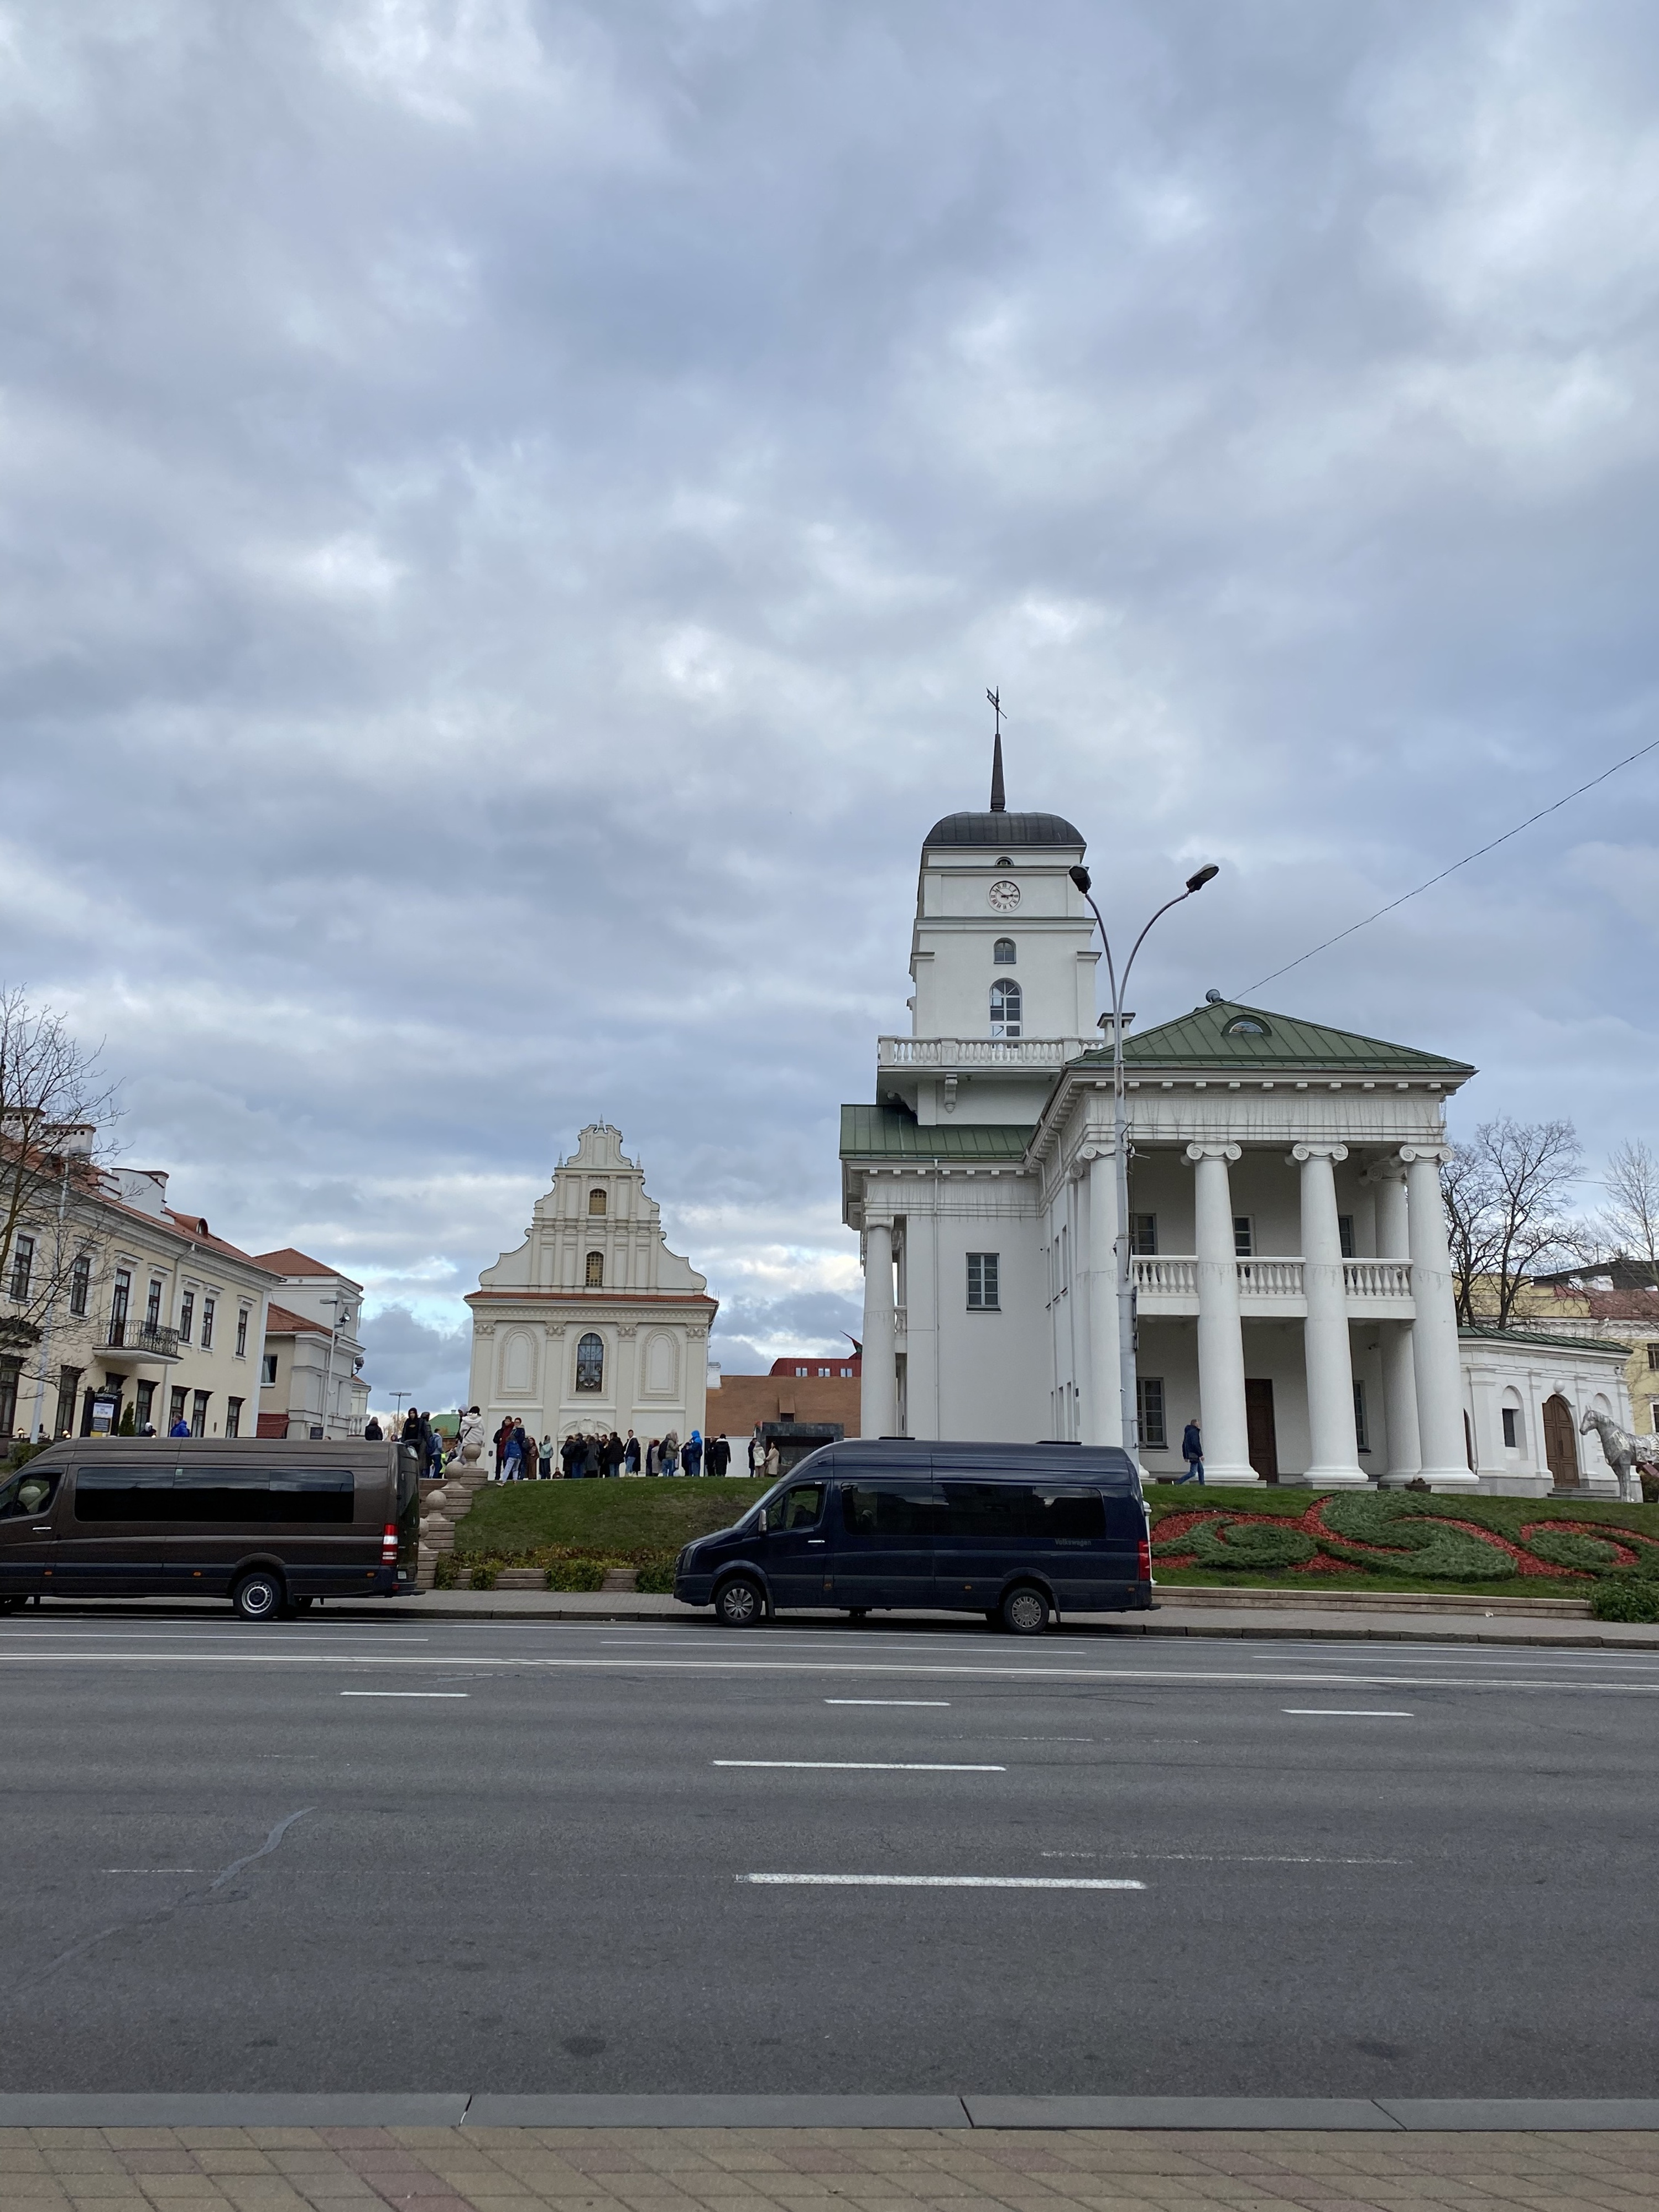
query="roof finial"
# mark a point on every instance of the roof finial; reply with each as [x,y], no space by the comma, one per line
[998,797]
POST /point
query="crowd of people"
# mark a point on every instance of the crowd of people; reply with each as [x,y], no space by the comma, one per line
[520,1457]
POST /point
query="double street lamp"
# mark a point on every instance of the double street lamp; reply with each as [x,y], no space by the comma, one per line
[1125,1296]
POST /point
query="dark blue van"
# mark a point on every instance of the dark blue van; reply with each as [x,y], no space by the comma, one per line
[1016,1532]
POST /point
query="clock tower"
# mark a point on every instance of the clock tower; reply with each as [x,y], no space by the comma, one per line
[1003,957]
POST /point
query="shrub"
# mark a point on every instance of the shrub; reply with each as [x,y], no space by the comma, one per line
[1251,1546]
[577,1575]
[483,1577]
[445,1573]
[657,1578]
[1626,1597]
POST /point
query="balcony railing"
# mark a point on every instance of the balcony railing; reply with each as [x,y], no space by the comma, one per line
[987,1053]
[140,1336]
[1174,1276]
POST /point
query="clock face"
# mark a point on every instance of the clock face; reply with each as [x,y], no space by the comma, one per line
[1004,895]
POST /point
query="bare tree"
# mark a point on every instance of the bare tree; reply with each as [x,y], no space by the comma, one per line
[54,1104]
[1630,1219]
[1506,1212]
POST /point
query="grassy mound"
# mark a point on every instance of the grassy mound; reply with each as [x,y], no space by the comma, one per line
[568,1526]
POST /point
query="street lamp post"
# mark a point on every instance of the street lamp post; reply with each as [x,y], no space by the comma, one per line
[1129,1411]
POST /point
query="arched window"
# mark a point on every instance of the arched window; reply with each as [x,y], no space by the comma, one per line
[1005,1010]
[1002,952]
[596,1270]
[590,1363]
[596,1201]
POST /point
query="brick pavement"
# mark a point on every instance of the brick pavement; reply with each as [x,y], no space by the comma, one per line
[817,2170]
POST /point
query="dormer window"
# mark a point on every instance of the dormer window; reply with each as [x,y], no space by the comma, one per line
[1002,953]
[596,1201]
[1005,1010]
[1246,1025]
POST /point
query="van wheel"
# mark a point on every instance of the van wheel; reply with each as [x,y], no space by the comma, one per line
[739,1603]
[1024,1611]
[258,1596]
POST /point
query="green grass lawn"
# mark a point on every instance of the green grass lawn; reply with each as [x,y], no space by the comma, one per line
[612,1519]
[639,1522]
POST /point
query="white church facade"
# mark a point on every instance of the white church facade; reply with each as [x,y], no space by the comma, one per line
[592,1324]
[1293,1288]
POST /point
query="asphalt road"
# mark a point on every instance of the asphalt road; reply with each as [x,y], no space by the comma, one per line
[401,1855]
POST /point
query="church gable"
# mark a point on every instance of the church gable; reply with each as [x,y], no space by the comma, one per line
[1228,1037]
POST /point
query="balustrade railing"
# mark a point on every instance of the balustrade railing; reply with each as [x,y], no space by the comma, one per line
[976,1052]
[1174,1275]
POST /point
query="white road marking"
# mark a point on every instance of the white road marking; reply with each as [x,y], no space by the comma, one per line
[933,1705]
[940,1881]
[155,1869]
[866,1765]
[405,1694]
[1348,1712]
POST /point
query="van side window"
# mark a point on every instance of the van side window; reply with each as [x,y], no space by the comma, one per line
[244,1496]
[25,1495]
[996,1512]
[889,1507]
[798,1508]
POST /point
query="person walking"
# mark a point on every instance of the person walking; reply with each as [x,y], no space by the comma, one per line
[631,1454]
[180,1427]
[512,1458]
[1192,1450]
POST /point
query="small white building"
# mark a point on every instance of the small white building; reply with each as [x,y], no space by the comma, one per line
[311,1381]
[1293,1284]
[592,1324]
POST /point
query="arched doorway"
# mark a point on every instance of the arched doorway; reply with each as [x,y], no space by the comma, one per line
[1560,1443]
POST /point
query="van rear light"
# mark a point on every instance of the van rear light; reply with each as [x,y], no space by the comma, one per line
[1143,1559]
[389,1545]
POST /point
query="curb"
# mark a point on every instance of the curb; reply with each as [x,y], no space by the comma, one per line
[477,2109]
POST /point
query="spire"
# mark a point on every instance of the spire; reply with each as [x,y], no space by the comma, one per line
[999,798]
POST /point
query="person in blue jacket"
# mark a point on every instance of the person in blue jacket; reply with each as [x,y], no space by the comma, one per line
[691,1457]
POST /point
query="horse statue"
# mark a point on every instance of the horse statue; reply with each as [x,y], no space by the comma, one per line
[1624,1453]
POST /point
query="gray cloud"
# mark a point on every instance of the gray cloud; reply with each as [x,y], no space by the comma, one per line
[509,511]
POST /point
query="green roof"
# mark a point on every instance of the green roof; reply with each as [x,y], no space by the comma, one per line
[884,1132]
[1548,1339]
[1200,1039]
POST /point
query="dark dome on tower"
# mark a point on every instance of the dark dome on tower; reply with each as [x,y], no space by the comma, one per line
[1004,831]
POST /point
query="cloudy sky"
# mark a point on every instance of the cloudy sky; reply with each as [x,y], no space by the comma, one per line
[510,510]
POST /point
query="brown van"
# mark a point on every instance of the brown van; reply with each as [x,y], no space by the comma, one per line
[271,1526]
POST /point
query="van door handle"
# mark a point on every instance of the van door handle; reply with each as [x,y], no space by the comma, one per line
[818,1539]
[46,1531]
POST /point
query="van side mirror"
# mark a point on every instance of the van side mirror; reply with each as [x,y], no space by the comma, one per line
[762,1520]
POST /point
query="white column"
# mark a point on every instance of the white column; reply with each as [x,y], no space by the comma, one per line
[1399,1378]
[1434,1330]
[1220,1332]
[1103,1411]
[1326,1352]
[878,1395]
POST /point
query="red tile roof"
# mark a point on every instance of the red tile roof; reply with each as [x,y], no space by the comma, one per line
[288,1262]
[282,1320]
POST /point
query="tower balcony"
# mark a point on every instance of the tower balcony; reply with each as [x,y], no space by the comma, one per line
[983,1055]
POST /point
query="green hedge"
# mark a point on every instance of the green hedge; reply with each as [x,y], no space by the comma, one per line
[1247,1546]
[1626,1597]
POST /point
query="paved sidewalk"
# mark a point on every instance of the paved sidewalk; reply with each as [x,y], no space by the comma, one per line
[816,2170]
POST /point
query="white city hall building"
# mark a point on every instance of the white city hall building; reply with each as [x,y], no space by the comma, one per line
[592,1324]
[1294,1292]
